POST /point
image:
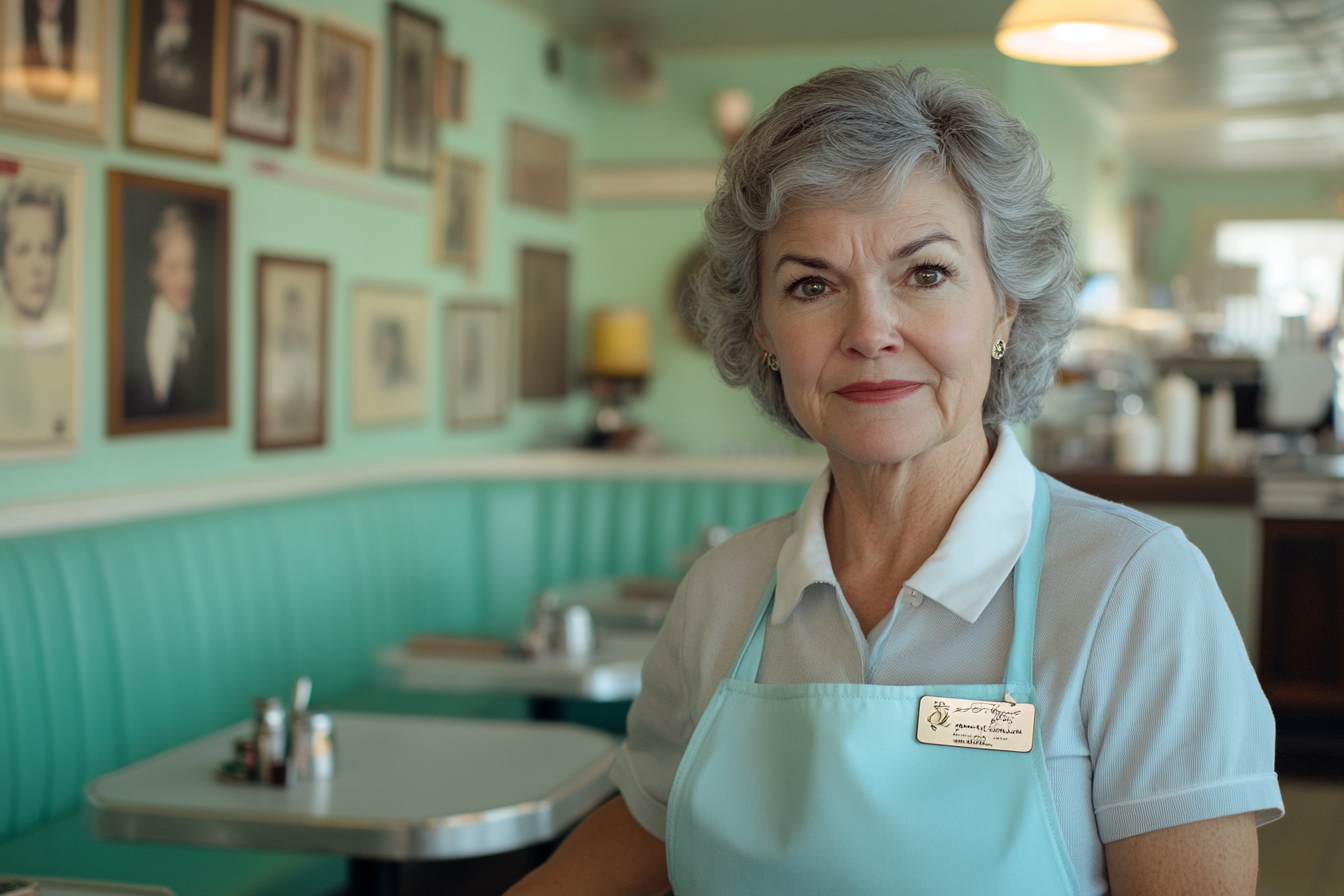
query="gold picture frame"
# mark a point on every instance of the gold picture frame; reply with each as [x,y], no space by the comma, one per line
[41,200]
[60,94]
[458,211]
[389,355]
[167,335]
[173,96]
[291,360]
[477,340]
[342,95]
[264,45]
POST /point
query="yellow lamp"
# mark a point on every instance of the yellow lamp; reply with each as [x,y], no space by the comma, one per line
[1085,32]
[620,342]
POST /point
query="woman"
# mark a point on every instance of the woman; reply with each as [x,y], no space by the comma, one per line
[841,700]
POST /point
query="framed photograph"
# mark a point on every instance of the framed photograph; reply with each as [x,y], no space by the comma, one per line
[476,349]
[174,87]
[291,376]
[544,327]
[538,168]
[390,355]
[452,87]
[41,222]
[459,194]
[412,57]
[167,304]
[263,73]
[342,95]
[54,66]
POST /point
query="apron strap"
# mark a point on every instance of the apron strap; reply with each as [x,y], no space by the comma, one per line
[1026,585]
[749,657]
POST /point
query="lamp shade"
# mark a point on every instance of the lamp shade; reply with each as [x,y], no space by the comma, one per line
[619,342]
[1085,32]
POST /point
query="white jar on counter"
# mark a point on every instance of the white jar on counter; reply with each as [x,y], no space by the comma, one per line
[1176,398]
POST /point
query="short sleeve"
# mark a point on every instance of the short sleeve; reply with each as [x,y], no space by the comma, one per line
[1177,724]
[659,725]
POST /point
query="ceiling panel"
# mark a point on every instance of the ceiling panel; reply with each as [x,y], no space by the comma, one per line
[1253,84]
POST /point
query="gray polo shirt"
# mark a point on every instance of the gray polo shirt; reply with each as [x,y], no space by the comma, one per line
[1150,712]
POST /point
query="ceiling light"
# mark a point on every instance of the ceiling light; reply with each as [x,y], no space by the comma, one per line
[1085,32]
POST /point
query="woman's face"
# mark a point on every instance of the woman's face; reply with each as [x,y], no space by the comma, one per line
[883,321]
[30,258]
[173,272]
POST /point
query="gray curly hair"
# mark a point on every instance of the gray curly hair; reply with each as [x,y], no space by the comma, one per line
[852,137]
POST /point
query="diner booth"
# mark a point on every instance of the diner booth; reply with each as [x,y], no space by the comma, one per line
[356,362]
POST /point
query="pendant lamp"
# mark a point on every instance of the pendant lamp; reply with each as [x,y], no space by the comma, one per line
[1085,32]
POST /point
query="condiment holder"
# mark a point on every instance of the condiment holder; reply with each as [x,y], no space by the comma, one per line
[283,747]
[566,631]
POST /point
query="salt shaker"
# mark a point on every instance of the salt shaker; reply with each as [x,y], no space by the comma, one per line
[312,755]
[270,735]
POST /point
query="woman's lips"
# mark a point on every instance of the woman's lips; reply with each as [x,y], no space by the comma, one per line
[871,393]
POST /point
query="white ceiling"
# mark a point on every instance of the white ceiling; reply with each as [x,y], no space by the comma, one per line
[1253,84]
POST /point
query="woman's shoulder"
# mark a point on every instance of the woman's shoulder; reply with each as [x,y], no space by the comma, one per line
[745,559]
[1088,514]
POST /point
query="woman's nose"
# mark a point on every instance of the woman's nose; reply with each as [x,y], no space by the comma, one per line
[872,328]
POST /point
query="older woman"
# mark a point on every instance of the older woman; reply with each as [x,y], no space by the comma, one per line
[945,673]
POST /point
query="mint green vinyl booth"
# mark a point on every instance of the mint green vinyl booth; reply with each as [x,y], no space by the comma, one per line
[119,641]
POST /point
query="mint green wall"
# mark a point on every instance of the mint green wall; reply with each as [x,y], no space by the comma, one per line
[620,253]
[361,240]
[1186,197]
[635,250]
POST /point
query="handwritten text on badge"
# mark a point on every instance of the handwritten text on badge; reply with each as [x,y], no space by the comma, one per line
[978,724]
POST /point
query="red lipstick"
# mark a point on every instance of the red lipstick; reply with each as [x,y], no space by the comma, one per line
[867,392]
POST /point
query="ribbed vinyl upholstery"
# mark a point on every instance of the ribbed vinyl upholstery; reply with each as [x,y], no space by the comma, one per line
[121,641]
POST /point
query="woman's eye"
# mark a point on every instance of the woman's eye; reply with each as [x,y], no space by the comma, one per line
[928,277]
[809,289]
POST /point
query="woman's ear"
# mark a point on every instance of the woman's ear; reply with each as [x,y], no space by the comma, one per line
[1004,326]
[762,339]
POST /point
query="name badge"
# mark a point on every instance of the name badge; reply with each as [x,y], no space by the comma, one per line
[977,724]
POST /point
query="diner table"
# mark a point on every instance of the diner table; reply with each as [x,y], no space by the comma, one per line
[609,673]
[627,612]
[406,788]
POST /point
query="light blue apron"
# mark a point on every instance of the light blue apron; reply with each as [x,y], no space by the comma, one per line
[822,788]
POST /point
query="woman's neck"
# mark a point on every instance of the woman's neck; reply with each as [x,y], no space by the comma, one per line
[883,521]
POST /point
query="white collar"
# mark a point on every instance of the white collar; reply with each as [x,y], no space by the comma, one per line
[978,552]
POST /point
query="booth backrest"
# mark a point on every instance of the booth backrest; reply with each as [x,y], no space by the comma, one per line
[119,641]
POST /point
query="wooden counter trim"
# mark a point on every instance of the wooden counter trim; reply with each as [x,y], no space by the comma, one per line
[1128,488]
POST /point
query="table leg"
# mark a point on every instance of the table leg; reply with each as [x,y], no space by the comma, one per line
[372,877]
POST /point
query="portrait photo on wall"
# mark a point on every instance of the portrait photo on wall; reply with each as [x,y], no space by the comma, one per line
[538,168]
[291,375]
[342,94]
[390,355]
[452,89]
[53,66]
[263,73]
[477,342]
[459,192]
[174,86]
[40,215]
[543,337]
[167,304]
[413,56]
